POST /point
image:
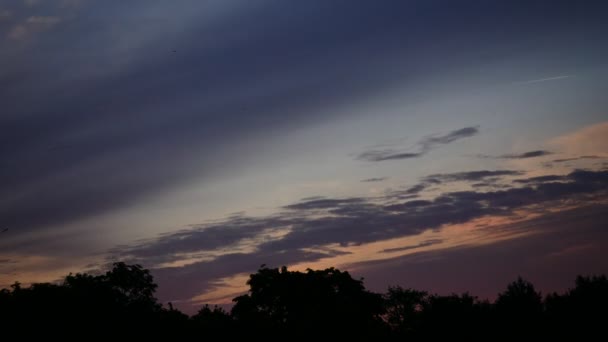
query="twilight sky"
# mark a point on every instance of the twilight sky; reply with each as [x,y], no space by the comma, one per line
[447,145]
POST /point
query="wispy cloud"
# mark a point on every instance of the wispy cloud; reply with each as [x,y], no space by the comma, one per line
[423,146]
[415,189]
[469,176]
[324,203]
[524,155]
[431,142]
[373,180]
[388,154]
[587,141]
[405,248]
[541,179]
[546,79]
[563,160]
[480,178]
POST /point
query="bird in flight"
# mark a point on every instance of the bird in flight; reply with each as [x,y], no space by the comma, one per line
[4,230]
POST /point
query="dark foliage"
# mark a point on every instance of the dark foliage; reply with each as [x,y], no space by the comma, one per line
[286,304]
[304,303]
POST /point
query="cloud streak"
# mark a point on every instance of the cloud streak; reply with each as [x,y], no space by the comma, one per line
[547,79]
[406,248]
[388,154]
[563,160]
[423,146]
[374,180]
[524,155]
[469,176]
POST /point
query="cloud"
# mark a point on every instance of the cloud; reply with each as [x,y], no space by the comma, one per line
[563,160]
[541,179]
[524,155]
[303,230]
[416,188]
[382,155]
[469,176]
[374,180]
[323,203]
[405,248]
[484,178]
[431,142]
[587,141]
[546,79]
[424,146]
[209,237]
[485,270]
[410,205]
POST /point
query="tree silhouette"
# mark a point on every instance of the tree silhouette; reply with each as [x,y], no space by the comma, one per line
[519,308]
[583,309]
[214,322]
[328,301]
[132,282]
[520,298]
[404,309]
[285,304]
[122,298]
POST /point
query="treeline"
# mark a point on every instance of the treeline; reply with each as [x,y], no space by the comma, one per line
[289,305]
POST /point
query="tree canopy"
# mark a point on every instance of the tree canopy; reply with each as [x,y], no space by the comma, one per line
[281,303]
[328,300]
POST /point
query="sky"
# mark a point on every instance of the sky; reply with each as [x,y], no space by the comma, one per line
[442,145]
